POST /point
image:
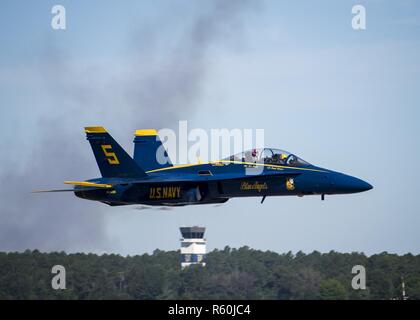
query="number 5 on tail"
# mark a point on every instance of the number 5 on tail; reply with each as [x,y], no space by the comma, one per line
[111,156]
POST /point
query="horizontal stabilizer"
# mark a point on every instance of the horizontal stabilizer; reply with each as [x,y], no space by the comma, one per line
[89,184]
[56,190]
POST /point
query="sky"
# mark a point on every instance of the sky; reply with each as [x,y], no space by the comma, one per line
[339,98]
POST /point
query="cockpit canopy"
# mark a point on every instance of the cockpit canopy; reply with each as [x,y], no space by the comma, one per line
[269,156]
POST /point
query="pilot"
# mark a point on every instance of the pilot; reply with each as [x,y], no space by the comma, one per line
[280,158]
[292,160]
[283,158]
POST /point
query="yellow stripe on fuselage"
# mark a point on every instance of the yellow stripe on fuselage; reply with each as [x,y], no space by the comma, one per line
[177,167]
[236,162]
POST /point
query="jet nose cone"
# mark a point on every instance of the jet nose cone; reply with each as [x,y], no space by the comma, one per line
[349,184]
[363,185]
[368,186]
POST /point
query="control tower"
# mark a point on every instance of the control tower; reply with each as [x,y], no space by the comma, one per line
[193,246]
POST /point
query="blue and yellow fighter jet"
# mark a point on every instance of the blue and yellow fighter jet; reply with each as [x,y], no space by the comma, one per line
[144,180]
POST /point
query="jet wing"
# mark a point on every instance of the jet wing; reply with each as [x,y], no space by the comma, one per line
[87,186]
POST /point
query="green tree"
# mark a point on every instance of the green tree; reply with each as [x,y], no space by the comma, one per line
[332,289]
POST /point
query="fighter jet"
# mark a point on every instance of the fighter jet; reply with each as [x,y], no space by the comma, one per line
[147,180]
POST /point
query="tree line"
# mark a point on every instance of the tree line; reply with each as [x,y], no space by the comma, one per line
[242,273]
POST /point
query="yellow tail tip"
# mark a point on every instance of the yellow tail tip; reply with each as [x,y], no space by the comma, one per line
[96,129]
[146,132]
